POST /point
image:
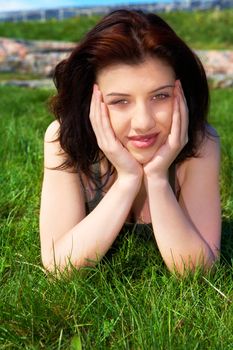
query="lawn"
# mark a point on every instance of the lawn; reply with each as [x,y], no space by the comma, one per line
[130,300]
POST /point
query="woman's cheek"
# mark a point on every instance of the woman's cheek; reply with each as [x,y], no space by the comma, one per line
[115,120]
[164,117]
[162,110]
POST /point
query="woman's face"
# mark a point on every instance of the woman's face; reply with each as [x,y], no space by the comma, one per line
[140,104]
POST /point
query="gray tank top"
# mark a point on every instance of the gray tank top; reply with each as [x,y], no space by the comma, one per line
[143,231]
[91,204]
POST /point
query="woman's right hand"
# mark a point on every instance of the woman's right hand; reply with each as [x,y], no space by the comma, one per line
[124,163]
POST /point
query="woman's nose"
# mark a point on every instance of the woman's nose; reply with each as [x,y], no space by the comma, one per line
[142,118]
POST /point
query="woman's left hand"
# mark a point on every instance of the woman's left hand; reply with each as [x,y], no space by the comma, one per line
[176,140]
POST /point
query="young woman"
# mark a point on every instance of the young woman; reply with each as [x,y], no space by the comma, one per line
[131,143]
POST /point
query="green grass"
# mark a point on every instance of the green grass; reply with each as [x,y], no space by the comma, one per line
[204,29]
[68,30]
[4,76]
[201,29]
[130,300]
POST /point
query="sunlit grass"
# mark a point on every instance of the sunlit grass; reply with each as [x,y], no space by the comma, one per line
[130,300]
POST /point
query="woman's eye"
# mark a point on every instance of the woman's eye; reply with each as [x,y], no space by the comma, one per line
[119,102]
[160,96]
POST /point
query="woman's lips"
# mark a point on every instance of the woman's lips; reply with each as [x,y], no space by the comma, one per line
[143,141]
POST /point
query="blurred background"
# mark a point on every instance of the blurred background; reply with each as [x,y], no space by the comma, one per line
[34,35]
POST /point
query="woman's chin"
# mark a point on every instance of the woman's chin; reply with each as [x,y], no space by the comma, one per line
[142,159]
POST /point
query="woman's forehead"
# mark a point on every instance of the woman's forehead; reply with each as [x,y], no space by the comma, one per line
[149,73]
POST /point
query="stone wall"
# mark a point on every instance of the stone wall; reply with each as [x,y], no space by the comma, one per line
[40,58]
[33,57]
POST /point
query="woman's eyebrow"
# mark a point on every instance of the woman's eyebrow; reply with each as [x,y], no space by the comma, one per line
[162,87]
[124,94]
[117,94]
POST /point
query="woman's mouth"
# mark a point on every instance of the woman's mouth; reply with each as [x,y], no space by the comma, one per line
[143,141]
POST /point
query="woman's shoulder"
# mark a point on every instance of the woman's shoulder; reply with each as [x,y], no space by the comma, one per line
[207,156]
[209,145]
[52,132]
[54,156]
[212,133]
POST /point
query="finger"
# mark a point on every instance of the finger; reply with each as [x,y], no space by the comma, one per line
[109,135]
[93,108]
[175,127]
[184,114]
[95,115]
[106,124]
[99,117]
[106,136]
[91,113]
[179,85]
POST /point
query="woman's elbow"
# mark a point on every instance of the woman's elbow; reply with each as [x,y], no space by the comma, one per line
[59,266]
[189,265]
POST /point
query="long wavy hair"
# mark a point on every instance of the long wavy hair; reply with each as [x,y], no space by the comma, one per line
[123,36]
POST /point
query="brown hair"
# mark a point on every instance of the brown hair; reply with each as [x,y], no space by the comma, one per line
[128,37]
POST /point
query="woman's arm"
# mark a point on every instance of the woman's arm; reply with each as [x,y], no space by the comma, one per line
[67,235]
[188,232]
